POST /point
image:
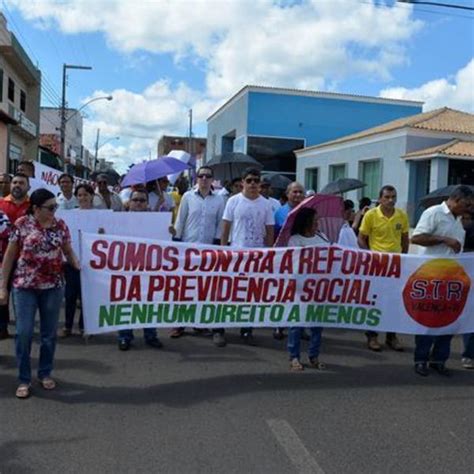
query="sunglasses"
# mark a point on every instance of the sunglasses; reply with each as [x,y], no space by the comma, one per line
[252,180]
[202,176]
[51,208]
[101,182]
[139,200]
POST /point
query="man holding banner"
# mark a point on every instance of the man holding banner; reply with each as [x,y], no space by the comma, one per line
[384,229]
[200,220]
[138,203]
[249,222]
[440,232]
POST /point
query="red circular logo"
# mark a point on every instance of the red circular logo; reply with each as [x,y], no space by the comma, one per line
[435,295]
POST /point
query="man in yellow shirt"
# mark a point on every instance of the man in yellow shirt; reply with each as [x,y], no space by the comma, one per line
[384,229]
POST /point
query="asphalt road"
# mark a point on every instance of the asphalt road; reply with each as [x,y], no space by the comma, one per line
[194,408]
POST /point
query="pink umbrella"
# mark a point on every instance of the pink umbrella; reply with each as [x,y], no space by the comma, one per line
[330,210]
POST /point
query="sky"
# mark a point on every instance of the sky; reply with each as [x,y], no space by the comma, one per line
[158,58]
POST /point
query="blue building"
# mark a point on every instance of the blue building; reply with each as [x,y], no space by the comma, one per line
[269,123]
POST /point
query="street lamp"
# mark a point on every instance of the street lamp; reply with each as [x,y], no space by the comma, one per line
[107,97]
[97,146]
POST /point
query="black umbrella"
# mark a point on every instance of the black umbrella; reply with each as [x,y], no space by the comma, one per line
[439,195]
[230,165]
[342,185]
[276,181]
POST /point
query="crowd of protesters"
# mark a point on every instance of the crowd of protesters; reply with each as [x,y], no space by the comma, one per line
[40,269]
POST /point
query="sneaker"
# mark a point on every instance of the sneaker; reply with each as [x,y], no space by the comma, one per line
[394,343]
[64,332]
[278,334]
[373,344]
[440,368]
[124,345]
[248,338]
[314,363]
[296,365]
[467,363]
[155,343]
[421,368]
[219,339]
[176,332]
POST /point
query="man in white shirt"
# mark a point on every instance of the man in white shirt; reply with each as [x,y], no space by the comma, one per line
[66,199]
[440,232]
[266,192]
[104,198]
[199,220]
[159,199]
[248,222]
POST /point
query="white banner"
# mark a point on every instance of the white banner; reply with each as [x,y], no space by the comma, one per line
[47,177]
[151,225]
[133,283]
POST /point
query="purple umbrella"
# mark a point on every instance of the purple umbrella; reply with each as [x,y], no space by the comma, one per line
[154,169]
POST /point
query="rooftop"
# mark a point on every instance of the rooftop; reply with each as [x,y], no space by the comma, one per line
[440,120]
[461,149]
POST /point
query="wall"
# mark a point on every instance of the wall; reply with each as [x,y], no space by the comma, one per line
[317,119]
[395,171]
[233,117]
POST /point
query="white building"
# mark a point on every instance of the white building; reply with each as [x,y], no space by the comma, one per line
[417,155]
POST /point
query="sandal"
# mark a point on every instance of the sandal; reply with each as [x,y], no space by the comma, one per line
[296,365]
[47,383]
[314,363]
[23,391]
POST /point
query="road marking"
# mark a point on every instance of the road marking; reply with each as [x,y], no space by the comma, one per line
[294,447]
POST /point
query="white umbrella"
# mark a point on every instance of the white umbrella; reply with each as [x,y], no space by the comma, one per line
[182,156]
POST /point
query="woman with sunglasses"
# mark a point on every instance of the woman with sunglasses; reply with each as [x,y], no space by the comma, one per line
[37,243]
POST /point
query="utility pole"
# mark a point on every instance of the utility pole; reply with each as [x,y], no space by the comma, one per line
[191,131]
[62,128]
[96,150]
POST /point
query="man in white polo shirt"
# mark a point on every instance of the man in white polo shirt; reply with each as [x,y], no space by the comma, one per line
[440,232]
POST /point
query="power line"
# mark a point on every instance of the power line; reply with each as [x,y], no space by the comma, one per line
[436,4]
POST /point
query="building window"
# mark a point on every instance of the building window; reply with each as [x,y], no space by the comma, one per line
[337,172]
[1,85]
[14,155]
[22,101]
[311,179]
[370,174]
[11,90]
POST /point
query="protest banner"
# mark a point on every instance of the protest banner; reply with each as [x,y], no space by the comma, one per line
[132,283]
[47,177]
[134,224]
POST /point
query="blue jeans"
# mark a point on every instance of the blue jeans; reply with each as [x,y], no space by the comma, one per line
[127,334]
[294,342]
[72,293]
[432,348]
[26,302]
[468,346]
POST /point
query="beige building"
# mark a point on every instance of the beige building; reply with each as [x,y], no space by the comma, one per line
[20,91]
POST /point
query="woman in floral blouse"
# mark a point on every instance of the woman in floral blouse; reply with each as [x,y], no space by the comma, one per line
[38,242]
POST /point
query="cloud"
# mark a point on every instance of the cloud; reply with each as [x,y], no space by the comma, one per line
[140,119]
[456,92]
[292,44]
[307,44]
